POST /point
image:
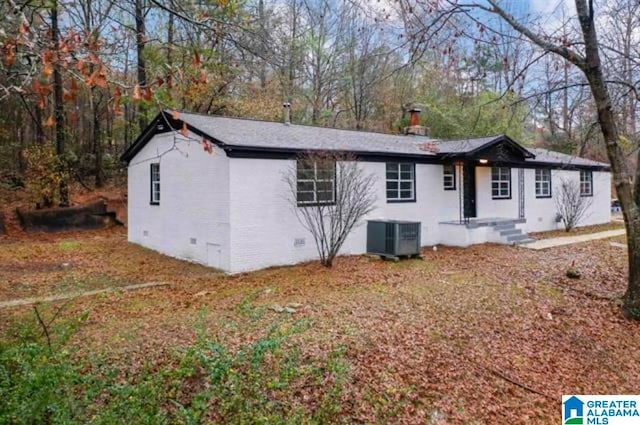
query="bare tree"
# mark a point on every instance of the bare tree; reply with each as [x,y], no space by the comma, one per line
[570,204]
[330,193]
[584,53]
[365,60]
[321,52]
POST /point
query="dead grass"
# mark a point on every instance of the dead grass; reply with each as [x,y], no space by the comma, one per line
[619,239]
[614,225]
[424,339]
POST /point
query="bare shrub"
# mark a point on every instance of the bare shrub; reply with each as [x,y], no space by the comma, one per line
[330,193]
[570,204]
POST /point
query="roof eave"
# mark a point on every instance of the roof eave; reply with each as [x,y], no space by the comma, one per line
[503,138]
[241,151]
[173,124]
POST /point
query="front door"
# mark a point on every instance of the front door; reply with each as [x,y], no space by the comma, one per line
[469,190]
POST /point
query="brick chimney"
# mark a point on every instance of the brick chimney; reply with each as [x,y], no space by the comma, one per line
[414,123]
[286,113]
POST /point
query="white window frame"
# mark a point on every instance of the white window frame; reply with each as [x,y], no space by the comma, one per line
[586,183]
[405,172]
[155,183]
[543,183]
[501,184]
[449,177]
[315,181]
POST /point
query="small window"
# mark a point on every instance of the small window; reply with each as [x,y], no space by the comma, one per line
[400,182]
[155,184]
[315,182]
[543,183]
[501,183]
[449,176]
[586,183]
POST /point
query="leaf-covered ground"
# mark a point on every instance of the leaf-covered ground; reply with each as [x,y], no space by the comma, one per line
[488,334]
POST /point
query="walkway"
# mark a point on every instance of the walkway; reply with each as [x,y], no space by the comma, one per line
[59,297]
[568,240]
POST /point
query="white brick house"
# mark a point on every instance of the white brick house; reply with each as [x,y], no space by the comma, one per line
[229,209]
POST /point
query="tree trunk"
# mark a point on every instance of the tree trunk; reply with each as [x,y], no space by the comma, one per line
[142,66]
[621,176]
[263,39]
[566,124]
[58,106]
[40,138]
[628,196]
[97,144]
[293,53]
[170,29]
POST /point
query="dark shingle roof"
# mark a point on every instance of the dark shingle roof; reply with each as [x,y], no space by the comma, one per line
[237,135]
[552,157]
[463,146]
[269,134]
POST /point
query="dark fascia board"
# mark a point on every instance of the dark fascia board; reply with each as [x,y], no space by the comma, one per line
[144,137]
[550,165]
[234,151]
[497,140]
[503,139]
[166,120]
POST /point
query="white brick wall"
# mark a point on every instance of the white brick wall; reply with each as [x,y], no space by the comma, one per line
[238,212]
[541,212]
[265,227]
[194,201]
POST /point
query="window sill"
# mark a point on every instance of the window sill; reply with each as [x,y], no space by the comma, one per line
[501,199]
[154,203]
[543,196]
[449,188]
[400,201]
[317,204]
[586,196]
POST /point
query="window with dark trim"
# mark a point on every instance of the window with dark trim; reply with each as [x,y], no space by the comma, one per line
[500,183]
[449,176]
[315,183]
[543,183]
[401,182]
[586,183]
[155,184]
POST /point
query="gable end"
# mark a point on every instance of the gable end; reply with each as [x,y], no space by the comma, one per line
[162,123]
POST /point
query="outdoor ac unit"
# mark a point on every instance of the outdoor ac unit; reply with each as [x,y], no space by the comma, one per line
[393,238]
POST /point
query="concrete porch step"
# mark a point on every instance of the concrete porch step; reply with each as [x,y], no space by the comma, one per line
[509,232]
[517,238]
[494,222]
[525,241]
